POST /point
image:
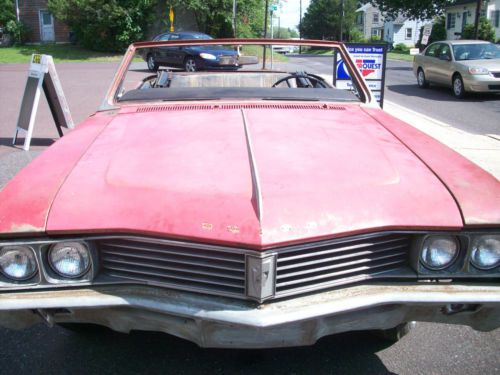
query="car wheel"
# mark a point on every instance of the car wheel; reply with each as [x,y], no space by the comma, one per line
[190,64]
[458,86]
[152,64]
[422,82]
[395,334]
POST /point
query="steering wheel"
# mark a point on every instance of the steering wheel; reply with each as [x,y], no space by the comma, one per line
[304,80]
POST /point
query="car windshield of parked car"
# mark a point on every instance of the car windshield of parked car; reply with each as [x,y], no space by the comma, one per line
[477,51]
[213,71]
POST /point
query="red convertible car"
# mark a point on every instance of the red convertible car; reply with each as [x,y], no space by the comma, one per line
[248,209]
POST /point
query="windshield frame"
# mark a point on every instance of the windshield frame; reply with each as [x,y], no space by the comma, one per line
[111,101]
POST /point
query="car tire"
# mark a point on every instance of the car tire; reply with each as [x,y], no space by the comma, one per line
[190,64]
[458,86]
[151,62]
[421,80]
[395,334]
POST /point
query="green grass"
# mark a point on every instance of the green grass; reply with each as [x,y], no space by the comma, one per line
[60,53]
[258,51]
[398,55]
[319,52]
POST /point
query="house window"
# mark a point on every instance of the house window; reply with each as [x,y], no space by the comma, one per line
[409,33]
[495,18]
[376,32]
[451,21]
[375,17]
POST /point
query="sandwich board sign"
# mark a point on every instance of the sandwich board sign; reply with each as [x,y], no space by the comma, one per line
[370,59]
[42,75]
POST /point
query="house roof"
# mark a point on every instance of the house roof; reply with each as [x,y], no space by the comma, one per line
[364,8]
[400,20]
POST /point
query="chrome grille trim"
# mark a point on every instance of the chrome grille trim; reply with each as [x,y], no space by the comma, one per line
[174,264]
[224,270]
[333,263]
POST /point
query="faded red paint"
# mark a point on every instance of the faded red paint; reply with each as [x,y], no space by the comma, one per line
[322,173]
[476,191]
[25,201]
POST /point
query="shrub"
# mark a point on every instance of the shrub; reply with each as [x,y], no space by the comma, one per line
[18,31]
[401,47]
[485,31]
[105,25]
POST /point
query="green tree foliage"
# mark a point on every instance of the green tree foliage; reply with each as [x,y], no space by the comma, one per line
[284,33]
[416,9]
[485,31]
[214,17]
[105,25]
[322,19]
[7,12]
[438,32]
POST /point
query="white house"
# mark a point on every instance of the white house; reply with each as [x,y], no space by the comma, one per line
[370,21]
[463,12]
[402,30]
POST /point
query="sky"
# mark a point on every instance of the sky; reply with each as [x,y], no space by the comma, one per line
[290,11]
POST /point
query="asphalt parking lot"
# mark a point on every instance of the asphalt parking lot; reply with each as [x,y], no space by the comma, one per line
[428,349]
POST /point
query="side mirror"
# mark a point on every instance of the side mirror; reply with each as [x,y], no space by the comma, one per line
[444,57]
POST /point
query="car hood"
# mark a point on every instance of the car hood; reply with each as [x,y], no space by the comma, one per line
[490,64]
[258,177]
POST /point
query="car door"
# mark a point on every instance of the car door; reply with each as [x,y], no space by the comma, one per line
[162,52]
[443,65]
[429,61]
[175,54]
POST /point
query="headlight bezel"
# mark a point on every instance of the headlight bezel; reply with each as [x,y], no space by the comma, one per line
[474,242]
[439,236]
[30,277]
[478,70]
[54,268]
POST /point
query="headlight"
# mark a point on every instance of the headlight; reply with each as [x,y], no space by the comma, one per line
[478,70]
[485,253]
[439,252]
[69,259]
[208,56]
[18,262]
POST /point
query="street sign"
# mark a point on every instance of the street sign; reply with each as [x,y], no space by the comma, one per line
[426,33]
[42,74]
[273,7]
[370,60]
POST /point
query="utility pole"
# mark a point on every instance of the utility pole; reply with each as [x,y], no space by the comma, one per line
[300,25]
[234,18]
[266,10]
[476,21]
[341,20]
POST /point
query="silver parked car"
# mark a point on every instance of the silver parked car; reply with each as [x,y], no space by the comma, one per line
[464,65]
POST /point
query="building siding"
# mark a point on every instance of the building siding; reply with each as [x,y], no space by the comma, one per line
[29,14]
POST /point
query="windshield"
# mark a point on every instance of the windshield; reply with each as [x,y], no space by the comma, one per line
[186,71]
[478,51]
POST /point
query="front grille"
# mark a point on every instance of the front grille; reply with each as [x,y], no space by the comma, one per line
[204,269]
[496,74]
[222,271]
[494,87]
[339,262]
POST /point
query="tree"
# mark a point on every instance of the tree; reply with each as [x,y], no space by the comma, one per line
[323,17]
[415,9]
[105,26]
[485,31]
[7,12]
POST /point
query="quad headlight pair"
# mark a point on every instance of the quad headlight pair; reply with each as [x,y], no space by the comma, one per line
[66,259]
[440,251]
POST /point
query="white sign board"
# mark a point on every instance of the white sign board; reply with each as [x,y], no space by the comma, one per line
[370,60]
[42,74]
[426,34]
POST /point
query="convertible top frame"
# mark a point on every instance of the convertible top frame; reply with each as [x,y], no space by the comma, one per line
[111,100]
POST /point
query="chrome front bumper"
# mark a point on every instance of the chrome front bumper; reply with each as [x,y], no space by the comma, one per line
[227,323]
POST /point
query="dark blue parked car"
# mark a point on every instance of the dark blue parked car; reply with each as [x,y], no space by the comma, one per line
[191,58]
